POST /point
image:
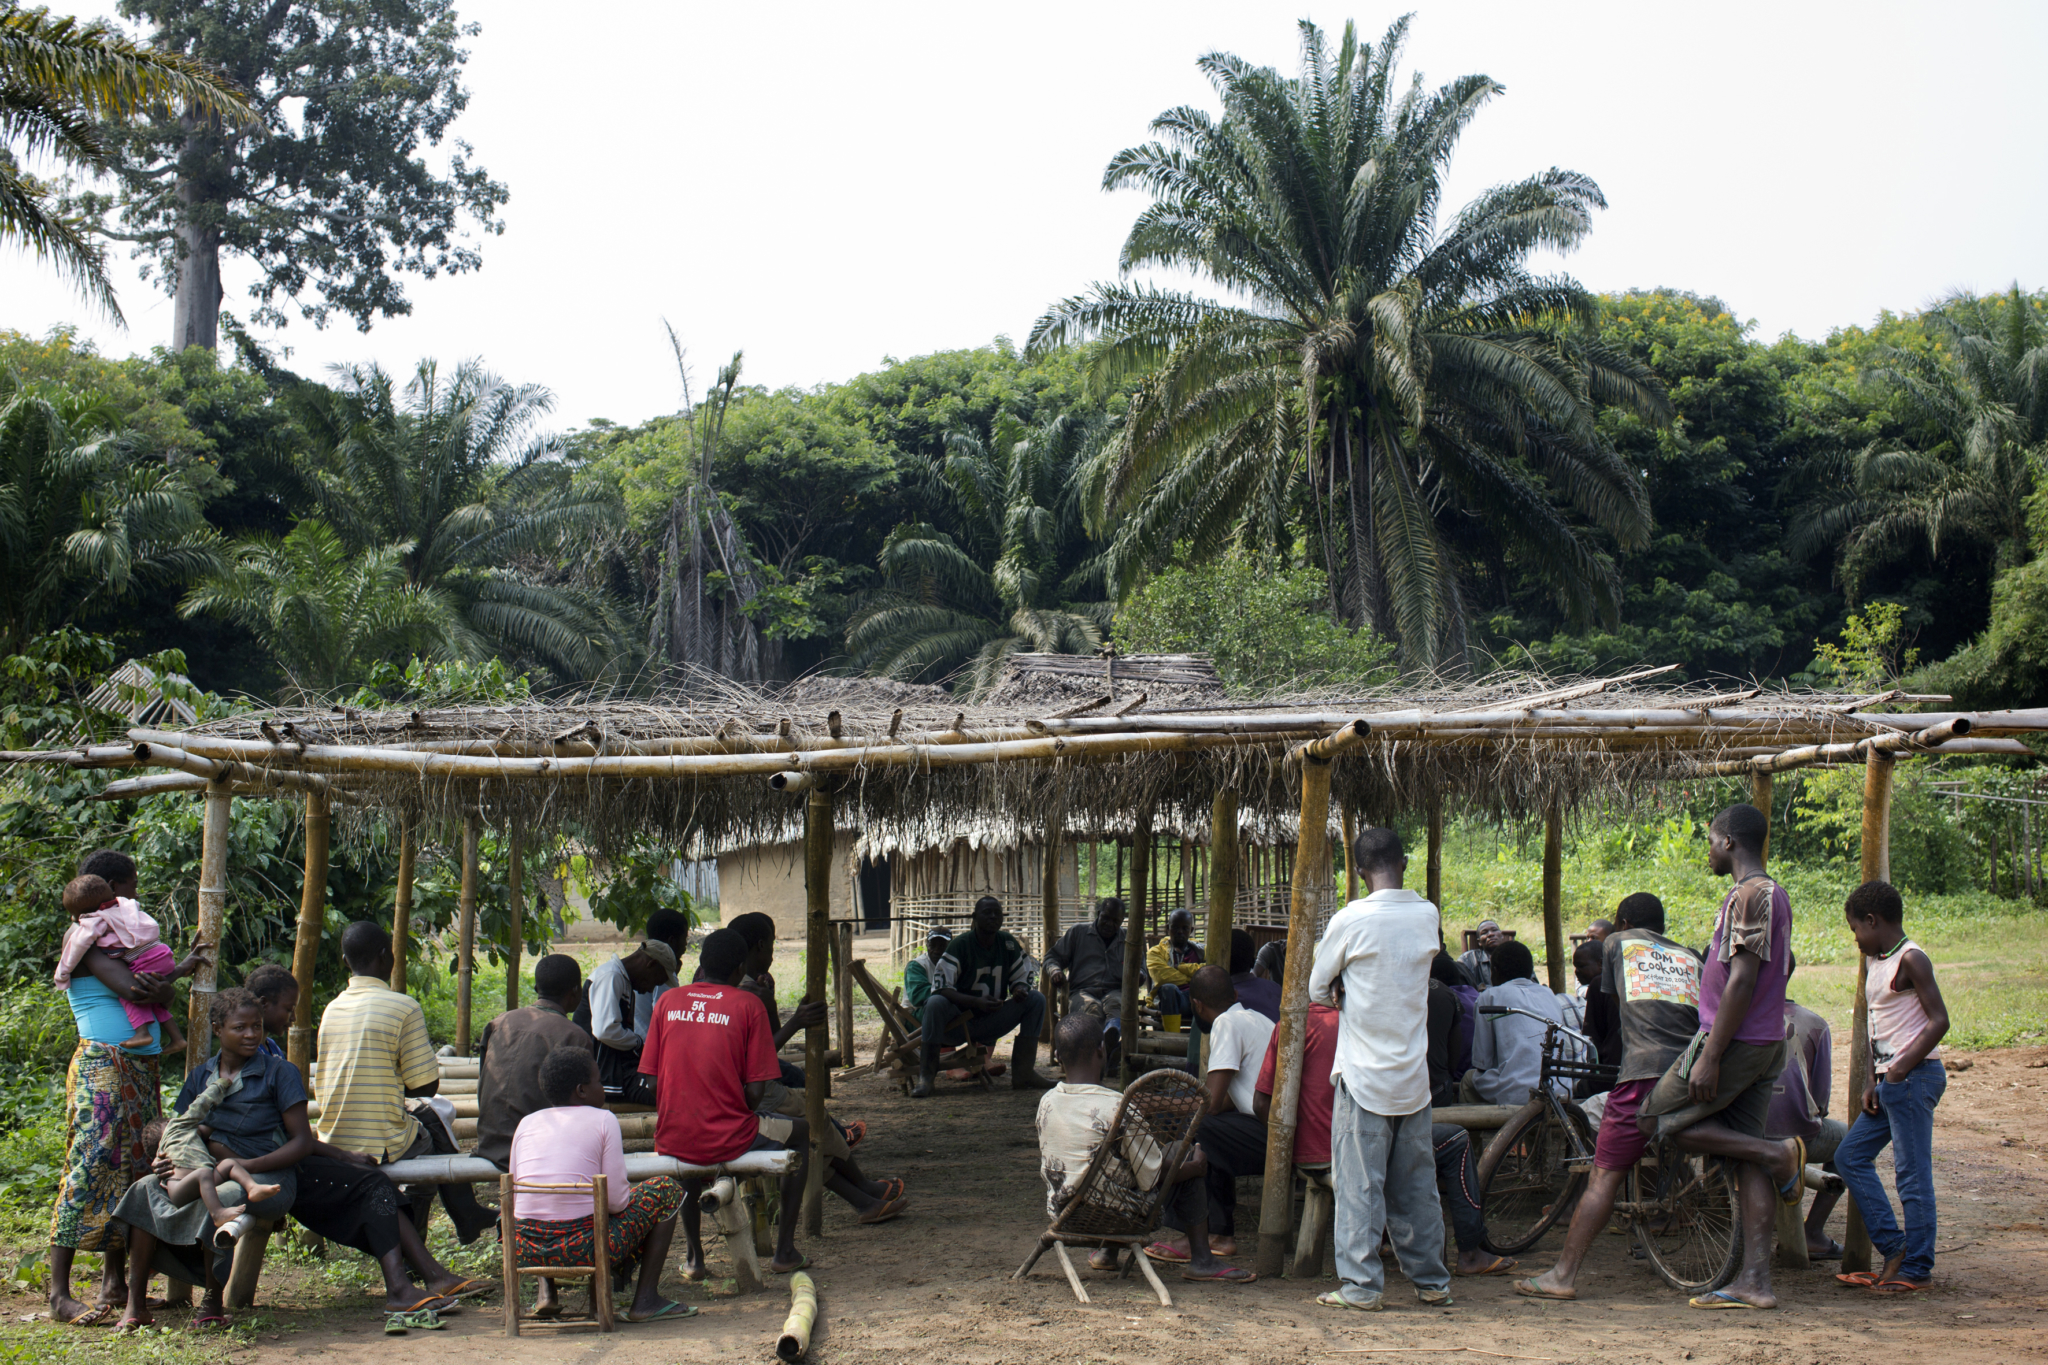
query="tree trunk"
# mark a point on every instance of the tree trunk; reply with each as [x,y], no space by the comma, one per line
[195,313]
[1368,598]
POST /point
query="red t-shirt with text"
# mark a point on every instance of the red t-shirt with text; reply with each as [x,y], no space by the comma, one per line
[1318,1096]
[704,1044]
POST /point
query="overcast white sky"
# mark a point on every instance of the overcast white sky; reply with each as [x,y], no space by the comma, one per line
[824,185]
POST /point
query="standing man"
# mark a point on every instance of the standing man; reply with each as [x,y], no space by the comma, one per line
[1716,1097]
[511,1051]
[1383,1163]
[986,976]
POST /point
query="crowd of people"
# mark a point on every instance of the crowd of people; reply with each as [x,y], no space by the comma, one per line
[1707,1048]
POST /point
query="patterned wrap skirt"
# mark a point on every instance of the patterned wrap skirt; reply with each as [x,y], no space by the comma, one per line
[544,1241]
[110,1096]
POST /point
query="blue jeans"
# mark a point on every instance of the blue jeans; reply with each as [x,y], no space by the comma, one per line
[1025,1013]
[1383,1168]
[1173,1000]
[1905,1123]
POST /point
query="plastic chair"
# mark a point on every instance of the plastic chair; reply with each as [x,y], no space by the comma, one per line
[599,1274]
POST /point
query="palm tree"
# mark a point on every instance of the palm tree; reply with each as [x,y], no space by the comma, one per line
[1406,376]
[82,516]
[327,613]
[1975,410]
[972,596]
[456,471]
[59,78]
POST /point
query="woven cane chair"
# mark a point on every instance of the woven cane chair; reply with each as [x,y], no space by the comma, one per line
[599,1272]
[1163,1108]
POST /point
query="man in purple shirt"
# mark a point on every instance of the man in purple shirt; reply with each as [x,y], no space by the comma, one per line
[1717,1095]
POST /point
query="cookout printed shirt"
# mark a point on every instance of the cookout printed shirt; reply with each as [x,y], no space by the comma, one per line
[987,972]
[1655,984]
[706,1043]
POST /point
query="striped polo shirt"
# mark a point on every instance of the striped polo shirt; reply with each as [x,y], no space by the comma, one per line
[373,1047]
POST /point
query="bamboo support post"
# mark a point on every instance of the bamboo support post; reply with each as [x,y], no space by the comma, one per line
[1222,873]
[1434,873]
[312,919]
[1760,797]
[1049,900]
[213,914]
[1350,826]
[1877,867]
[817,936]
[1276,1203]
[401,902]
[515,913]
[465,959]
[1134,943]
[1554,954]
[842,985]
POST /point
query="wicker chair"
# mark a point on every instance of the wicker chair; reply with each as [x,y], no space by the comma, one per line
[1165,1108]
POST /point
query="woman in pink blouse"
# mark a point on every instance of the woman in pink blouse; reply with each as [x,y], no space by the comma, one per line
[574,1140]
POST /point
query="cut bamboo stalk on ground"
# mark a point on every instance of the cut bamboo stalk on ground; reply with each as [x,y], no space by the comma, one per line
[803,1316]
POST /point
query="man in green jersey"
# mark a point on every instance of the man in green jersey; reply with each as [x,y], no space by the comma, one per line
[985,977]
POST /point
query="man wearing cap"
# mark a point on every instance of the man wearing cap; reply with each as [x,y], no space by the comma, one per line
[917,976]
[1477,963]
[608,1016]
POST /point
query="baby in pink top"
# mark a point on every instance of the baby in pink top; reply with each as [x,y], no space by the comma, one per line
[124,930]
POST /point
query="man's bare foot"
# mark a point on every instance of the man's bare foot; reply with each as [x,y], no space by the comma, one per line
[223,1217]
[1222,1246]
[1102,1258]
[1477,1262]
[135,1321]
[693,1264]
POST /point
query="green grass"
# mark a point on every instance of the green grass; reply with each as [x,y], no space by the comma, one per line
[1990,953]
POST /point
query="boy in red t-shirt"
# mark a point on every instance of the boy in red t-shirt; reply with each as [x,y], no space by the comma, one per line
[1456,1179]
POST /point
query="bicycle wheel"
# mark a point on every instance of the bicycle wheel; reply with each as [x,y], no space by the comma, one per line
[1688,1218]
[1524,1178]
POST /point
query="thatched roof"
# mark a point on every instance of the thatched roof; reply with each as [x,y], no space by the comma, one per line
[913,765]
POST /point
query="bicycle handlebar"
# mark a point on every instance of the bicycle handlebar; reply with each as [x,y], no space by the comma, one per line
[1550,1024]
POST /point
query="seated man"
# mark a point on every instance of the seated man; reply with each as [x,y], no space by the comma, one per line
[1271,963]
[374,1055]
[1089,961]
[511,1051]
[1171,964]
[1073,1118]
[1599,929]
[1799,1108]
[1457,1177]
[1254,992]
[1449,1031]
[663,926]
[917,973]
[1232,1135]
[1507,1049]
[985,976]
[757,976]
[1477,963]
[615,985]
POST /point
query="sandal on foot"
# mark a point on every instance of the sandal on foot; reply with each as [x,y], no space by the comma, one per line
[1794,1190]
[1897,1287]
[468,1289]
[1721,1298]
[776,1268]
[667,1310]
[1223,1274]
[95,1316]
[548,1312]
[1860,1279]
[1831,1252]
[1164,1254]
[1336,1299]
[1529,1289]
[421,1319]
[204,1319]
[855,1131]
[884,1211]
[893,1188]
[1502,1265]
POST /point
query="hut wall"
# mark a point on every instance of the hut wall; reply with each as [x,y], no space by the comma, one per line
[769,879]
[940,886]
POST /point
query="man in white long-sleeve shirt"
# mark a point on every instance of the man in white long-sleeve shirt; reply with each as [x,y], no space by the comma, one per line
[1507,1049]
[608,1017]
[1383,1163]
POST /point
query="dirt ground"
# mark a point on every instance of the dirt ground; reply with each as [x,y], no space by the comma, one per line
[935,1285]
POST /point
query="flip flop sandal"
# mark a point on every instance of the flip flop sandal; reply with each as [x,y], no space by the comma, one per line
[1720,1298]
[1334,1299]
[1528,1290]
[801,1261]
[1896,1287]
[204,1320]
[439,1304]
[886,1210]
[1502,1265]
[855,1131]
[95,1316]
[1229,1274]
[469,1289]
[1860,1279]
[550,1312]
[893,1188]
[1794,1190]
[667,1310]
[1163,1254]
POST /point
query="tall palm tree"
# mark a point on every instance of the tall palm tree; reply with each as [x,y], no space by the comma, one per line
[1975,412]
[82,516]
[1402,372]
[455,469]
[59,78]
[327,613]
[969,597]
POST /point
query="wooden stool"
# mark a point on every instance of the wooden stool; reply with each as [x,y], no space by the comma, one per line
[1318,1215]
[599,1273]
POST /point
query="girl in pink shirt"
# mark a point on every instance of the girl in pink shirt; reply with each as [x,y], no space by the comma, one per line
[574,1140]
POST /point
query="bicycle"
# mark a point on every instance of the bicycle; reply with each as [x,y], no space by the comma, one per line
[1682,1208]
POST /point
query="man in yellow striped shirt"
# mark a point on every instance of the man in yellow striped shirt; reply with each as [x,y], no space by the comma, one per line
[374,1055]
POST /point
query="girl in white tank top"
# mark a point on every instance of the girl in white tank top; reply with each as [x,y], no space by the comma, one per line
[1896,1016]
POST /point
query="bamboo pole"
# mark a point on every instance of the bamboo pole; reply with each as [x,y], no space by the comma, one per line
[817,932]
[515,911]
[1350,825]
[1896,741]
[214,829]
[1760,797]
[1877,867]
[401,904]
[1222,872]
[312,919]
[1049,903]
[1276,1203]
[465,961]
[1134,941]
[1554,955]
[1434,868]
[842,985]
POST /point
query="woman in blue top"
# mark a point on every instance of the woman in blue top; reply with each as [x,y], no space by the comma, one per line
[261,1120]
[111,1094]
